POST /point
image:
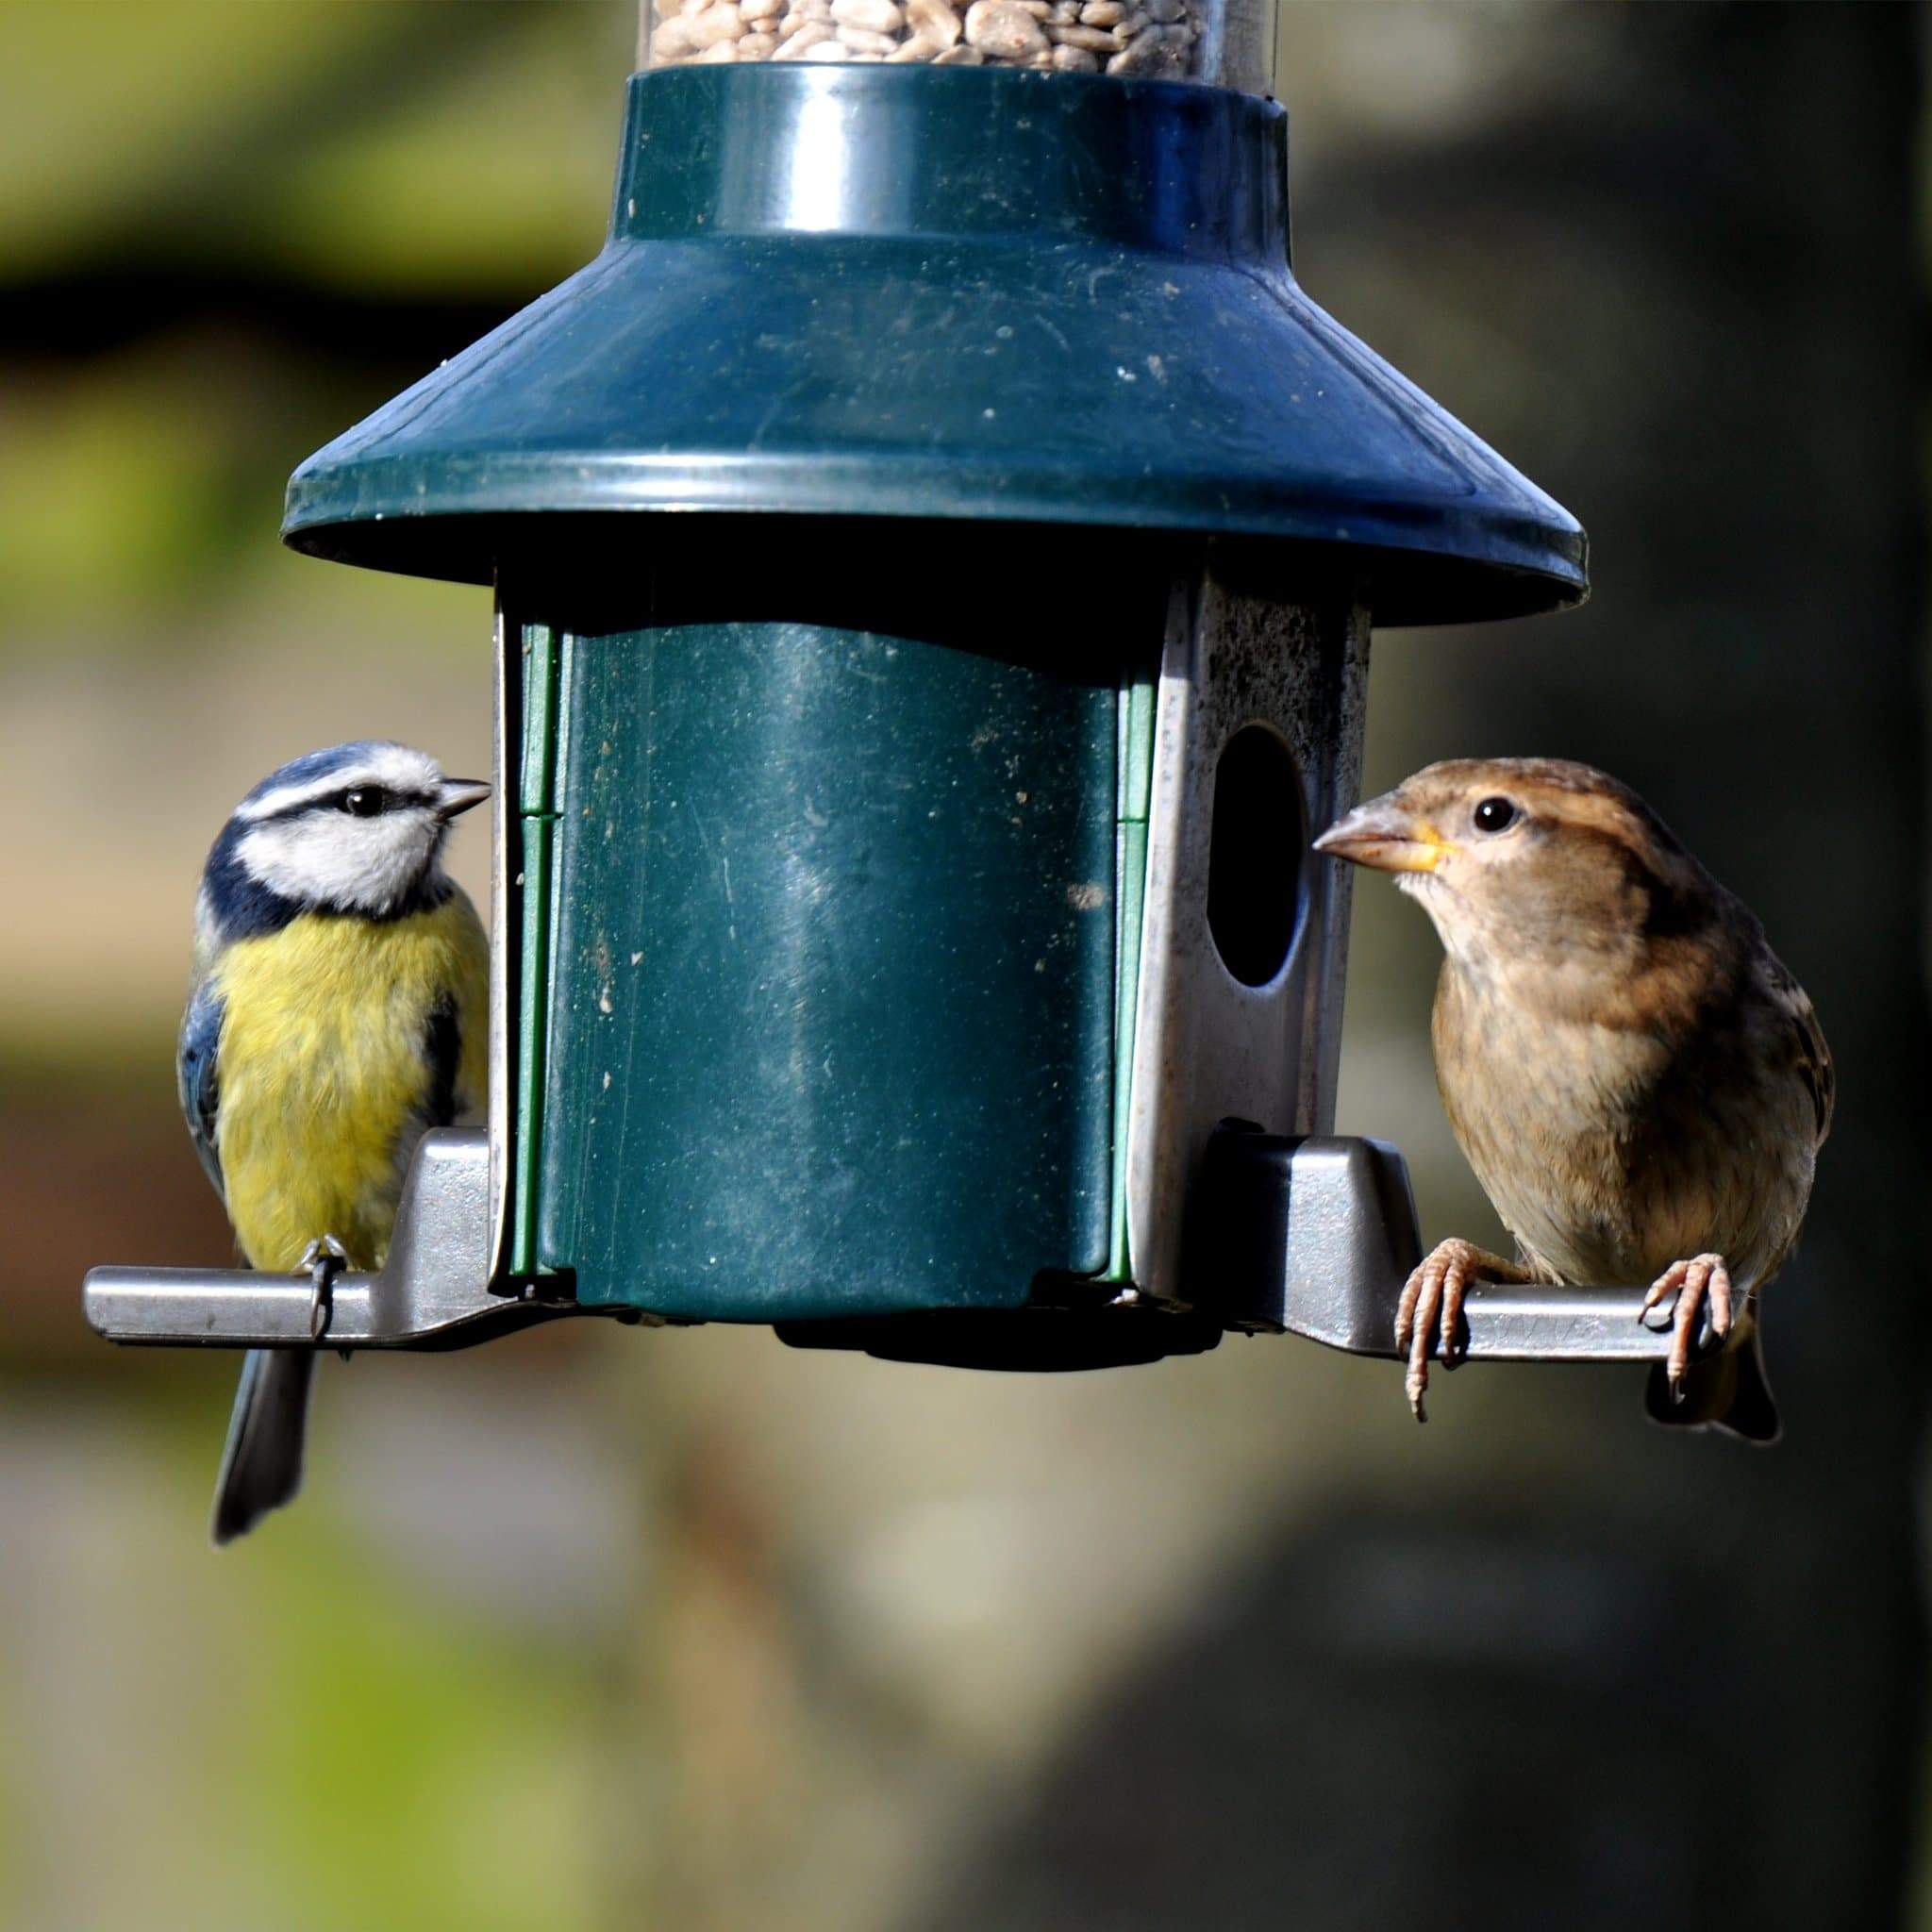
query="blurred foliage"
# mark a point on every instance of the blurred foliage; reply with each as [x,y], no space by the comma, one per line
[117,493]
[409,149]
[256,188]
[311,1737]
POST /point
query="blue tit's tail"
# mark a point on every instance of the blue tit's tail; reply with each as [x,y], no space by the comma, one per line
[261,1465]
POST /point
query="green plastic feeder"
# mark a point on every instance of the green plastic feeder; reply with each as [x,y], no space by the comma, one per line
[935,545]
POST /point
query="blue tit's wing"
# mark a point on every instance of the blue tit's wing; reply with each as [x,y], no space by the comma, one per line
[261,1461]
[195,1069]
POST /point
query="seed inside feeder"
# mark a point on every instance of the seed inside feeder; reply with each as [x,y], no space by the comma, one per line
[1154,40]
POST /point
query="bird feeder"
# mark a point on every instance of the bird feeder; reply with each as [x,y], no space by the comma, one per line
[935,546]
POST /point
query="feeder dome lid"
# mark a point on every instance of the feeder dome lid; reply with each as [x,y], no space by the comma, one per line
[898,290]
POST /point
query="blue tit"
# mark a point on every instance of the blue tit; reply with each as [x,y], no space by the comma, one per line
[339,1008]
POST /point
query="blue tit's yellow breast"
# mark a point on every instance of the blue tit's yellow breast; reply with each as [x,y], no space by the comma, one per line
[323,1076]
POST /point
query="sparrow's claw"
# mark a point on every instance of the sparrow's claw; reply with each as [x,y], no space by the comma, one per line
[1430,1311]
[1690,1282]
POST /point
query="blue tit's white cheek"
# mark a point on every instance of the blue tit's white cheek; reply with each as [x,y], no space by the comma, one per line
[332,857]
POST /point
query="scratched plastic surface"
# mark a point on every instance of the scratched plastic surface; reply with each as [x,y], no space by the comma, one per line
[978,294]
[832,982]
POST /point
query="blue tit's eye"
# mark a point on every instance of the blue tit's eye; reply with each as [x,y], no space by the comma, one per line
[1494,815]
[365,802]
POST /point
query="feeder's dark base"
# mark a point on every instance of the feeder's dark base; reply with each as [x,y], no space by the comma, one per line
[1034,1339]
[1310,1236]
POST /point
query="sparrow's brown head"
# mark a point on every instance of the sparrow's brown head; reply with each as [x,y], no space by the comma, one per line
[1530,858]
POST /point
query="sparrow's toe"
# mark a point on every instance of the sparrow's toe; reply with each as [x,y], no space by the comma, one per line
[1702,1278]
[1719,1296]
[1405,1309]
[1429,1314]
[1415,1326]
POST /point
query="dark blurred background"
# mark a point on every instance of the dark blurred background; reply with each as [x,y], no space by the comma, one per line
[599,1629]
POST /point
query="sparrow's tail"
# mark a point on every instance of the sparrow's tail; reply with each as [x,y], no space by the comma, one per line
[261,1465]
[1727,1393]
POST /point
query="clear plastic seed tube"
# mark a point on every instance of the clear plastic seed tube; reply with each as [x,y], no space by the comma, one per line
[1227,42]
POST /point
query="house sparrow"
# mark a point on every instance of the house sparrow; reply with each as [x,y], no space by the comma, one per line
[1640,1085]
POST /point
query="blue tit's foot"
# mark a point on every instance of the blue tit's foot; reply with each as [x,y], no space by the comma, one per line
[323,1259]
[1690,1282]
[1431,1309]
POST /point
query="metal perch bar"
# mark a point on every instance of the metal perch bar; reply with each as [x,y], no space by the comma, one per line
[1314,1237]
[1508,1323]
[1318,1236]
[432,1293]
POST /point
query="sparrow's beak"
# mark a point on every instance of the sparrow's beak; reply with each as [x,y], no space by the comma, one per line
[1384,834]
[458,795]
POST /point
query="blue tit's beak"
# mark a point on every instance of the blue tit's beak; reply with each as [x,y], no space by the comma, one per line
[459,795]
[1385,835]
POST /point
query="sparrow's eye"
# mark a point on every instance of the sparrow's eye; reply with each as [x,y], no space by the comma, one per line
[1494,815]
[365,802]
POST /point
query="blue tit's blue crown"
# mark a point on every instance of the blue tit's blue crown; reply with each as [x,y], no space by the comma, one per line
[312,766]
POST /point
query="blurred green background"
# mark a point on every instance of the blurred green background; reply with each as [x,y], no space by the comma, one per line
[599,1629]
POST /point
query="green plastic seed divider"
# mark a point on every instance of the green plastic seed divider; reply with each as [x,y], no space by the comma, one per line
[538,793]
[1130,849]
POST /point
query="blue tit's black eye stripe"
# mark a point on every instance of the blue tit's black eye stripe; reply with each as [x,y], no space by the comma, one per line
[368,800]
[1494,815]
[371,800]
